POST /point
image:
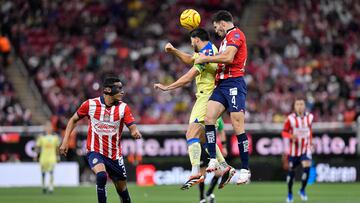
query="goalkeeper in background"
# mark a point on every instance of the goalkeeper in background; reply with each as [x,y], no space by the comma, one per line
[47,146]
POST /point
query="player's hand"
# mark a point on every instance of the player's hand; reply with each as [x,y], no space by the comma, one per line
[201,59]
[136,134]
[63,149]
[169,47]
[159,86]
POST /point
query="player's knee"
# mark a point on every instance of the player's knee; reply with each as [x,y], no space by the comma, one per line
[101,178]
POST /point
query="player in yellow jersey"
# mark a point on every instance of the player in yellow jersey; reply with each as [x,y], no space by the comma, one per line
[205,82]
[47,147]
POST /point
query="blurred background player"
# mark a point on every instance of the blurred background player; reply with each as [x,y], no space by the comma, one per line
[205,82]
[209,196]
[47,146]
[107,115]
[297,128]
[230,92]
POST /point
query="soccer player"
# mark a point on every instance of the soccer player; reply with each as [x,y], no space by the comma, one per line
[230,91]
[47,145]
[210,196]
[297,128]
[107,115]
[205,81]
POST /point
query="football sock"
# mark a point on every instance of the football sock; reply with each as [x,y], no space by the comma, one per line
[290,180]
[101,179]
[220,158]
[43,180]
[243,145]
[51,186]
[213,183]
[304,178]
[125,196]
[202,189]
[194,149]
[210,133]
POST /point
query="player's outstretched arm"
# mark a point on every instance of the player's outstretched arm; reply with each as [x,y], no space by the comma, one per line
[184,57]
[134,131]
[225,57]
[181,82]
[69,128]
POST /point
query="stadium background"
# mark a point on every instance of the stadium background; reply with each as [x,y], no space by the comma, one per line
[60,51]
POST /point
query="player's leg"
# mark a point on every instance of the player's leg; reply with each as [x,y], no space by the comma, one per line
[43,167]
[51,183]
[235,93]
[293,163]
[214,110]
[210,196]
[194,150]
[121,189]
[306,164]
[97,165]
[202,184]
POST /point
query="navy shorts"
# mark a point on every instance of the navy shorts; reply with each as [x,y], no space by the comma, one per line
[115,168]
[231,93]
[294,161]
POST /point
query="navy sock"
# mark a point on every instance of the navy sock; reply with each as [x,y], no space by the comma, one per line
[210,133]
[101,179]
[304,178]
[290,180]
[243,145]
[213,183]
[125,196]
[202,189]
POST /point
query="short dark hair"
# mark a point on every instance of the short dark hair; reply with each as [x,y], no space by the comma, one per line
[222,15]
[200,33]
[109,81]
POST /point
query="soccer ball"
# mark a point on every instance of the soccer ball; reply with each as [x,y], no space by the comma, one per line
[190,19]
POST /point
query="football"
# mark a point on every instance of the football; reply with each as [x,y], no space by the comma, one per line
[190,19]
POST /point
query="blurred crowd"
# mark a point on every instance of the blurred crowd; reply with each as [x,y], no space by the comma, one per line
[310,49]
[304,48]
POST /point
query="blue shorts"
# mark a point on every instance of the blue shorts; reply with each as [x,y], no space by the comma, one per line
[231,93]
[294,161]
[115,168]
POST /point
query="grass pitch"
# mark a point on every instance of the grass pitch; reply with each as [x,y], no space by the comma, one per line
[269,192]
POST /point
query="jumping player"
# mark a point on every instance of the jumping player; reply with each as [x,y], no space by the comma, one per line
[205,82]
[107,115]
[230,91]
[297,128]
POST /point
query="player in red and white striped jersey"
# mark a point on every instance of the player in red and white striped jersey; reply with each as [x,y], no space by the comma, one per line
[107,115]
[297,128]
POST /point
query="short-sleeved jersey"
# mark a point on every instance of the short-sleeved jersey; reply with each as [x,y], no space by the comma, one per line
[205,81]
[105,125]
[301,128]
[234,37]
[48,146]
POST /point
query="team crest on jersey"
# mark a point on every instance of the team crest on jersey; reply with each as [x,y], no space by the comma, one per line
[94,161]
[106,117]
[237,36]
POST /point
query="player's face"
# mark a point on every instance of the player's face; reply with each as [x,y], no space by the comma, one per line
[194,43]
[120,94]
[219,28]
[299,106]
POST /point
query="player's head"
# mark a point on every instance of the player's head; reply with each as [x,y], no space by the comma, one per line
[221,21]
[299,106]
[113,87]
[48,128]
[197,37]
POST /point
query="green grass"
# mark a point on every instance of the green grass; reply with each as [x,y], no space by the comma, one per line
[253,193]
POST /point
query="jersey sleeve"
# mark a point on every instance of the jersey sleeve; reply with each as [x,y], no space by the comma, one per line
[234,39]
[38,141]
[83,110]
[286,129]
[128,117]
[220,124]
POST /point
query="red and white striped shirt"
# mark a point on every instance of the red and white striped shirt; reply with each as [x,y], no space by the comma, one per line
[105,125]
[301,128]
